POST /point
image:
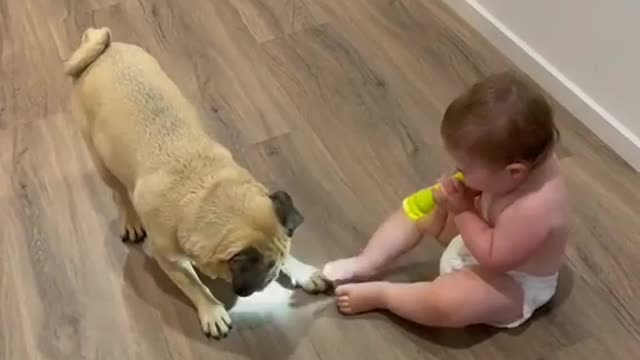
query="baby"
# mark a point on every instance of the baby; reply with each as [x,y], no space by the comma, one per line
[504,227]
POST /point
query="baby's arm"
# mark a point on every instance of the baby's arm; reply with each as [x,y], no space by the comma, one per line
[519,230]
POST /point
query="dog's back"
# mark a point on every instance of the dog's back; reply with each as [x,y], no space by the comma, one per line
[133,112]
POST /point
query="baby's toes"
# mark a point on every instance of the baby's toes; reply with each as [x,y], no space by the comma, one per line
[343,300]
[345,309]
[343,290]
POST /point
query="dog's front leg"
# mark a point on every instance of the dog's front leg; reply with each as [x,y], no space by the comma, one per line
[306,276]
[214,319]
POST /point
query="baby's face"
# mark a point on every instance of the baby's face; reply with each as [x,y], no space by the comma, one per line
[484,177]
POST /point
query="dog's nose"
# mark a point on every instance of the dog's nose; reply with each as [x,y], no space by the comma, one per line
[244,291]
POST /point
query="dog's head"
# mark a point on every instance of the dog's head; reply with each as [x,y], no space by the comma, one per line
[253,239]
[258,263]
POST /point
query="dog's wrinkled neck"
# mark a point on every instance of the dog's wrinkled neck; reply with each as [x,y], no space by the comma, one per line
[190,204]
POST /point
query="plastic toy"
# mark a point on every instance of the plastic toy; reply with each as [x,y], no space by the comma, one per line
[420,203]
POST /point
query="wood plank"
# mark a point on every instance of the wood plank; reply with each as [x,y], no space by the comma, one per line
[269,19]
[338,103]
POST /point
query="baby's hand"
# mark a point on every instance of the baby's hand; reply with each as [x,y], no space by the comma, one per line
[454,195]
[439,193]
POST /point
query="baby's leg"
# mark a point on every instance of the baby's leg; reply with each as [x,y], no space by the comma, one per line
[397,235]
[458,299]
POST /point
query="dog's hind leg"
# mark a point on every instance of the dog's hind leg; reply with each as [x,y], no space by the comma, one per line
[132,229]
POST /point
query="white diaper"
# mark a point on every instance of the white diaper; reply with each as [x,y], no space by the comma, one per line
[538,290]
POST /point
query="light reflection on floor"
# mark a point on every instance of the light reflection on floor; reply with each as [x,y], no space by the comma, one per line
[274,296]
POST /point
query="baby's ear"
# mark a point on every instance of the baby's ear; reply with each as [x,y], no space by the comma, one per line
[290,218]
[517,170]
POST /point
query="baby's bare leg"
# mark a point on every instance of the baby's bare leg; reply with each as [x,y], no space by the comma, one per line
[458,299]
[396,236]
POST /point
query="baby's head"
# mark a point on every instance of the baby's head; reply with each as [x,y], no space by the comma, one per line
[499,131]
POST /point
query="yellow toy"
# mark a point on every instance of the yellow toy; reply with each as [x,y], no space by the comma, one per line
[422,202]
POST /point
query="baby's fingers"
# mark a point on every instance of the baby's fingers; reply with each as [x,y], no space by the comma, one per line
[439,195]
[459,185]
[442,178]
[450,187]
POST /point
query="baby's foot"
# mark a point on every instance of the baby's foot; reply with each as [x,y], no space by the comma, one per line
[357,298]
[357,268]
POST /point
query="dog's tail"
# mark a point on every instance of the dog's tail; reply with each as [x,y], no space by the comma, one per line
[93,44]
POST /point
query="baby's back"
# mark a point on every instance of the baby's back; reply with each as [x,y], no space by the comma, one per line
[548,192]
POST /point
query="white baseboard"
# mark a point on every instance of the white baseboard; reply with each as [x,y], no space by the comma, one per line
[595,117]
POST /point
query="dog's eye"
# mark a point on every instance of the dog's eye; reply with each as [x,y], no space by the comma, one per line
[271,263]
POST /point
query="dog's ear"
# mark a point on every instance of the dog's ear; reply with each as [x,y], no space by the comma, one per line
[289,216]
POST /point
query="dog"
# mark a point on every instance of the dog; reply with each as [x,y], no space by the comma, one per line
[172,181]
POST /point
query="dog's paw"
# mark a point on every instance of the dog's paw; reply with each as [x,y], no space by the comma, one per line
[316,283]
[133,231]
[313,281]
[215,321]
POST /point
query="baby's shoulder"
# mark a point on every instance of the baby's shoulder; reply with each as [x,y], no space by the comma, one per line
[552,195]
[546,204]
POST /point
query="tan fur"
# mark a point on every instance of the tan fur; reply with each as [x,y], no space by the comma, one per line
[197,205]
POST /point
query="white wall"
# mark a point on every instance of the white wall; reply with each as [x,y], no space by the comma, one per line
[585,52]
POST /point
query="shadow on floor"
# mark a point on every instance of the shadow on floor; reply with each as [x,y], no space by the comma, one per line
[152,287]
[139,268]
[150,284]
[472,335]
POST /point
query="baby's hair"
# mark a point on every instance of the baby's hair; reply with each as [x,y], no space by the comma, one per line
[502,119]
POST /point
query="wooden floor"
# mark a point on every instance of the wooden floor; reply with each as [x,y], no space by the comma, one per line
[337,102]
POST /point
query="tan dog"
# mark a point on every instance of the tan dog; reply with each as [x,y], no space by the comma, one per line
[172,181]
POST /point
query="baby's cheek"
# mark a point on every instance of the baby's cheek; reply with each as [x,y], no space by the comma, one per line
[470,181]
[477,184]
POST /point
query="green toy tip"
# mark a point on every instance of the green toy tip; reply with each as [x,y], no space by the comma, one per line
[422,202]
